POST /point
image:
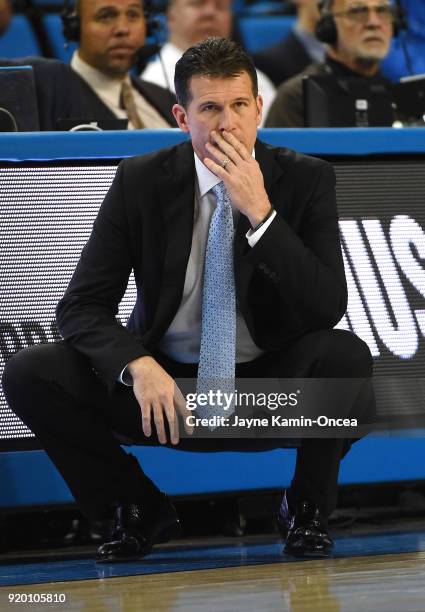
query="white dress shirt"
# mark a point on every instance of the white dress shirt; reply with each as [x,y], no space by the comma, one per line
[109,91]
[171,54]
[182,340]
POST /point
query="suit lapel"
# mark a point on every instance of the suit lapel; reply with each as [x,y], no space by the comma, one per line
[176,186]
[161,99]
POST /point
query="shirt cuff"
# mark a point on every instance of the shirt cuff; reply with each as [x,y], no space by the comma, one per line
[125,377]
[254,236]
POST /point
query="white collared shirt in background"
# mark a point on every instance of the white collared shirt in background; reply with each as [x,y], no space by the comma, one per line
[109,91]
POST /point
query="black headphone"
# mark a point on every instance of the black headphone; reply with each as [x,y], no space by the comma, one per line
[71,20]
[326,30]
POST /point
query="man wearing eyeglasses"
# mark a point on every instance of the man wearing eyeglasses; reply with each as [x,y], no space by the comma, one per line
[357,34]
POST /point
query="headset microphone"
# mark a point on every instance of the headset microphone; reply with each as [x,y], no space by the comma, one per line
[326,30]
[143,54]
[71,24]
[71,27]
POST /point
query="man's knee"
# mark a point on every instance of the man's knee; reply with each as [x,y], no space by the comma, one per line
[346,354]
[29,367]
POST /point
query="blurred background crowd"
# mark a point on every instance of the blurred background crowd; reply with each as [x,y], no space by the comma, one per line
[112,61]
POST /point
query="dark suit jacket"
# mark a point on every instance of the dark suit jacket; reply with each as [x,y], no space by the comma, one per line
[287,109]
[56,89]
[291,282]
[282,61]
[92,106]
[63,94]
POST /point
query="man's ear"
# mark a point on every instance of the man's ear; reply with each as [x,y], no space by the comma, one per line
[180,116]
[259,102]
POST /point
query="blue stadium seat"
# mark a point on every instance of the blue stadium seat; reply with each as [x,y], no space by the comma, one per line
[262,31]
[272,7]
[395,66]
[19,39]
[53,26]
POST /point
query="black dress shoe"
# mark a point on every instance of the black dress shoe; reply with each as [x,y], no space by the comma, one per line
[305,532]
[137,528]
[284,517]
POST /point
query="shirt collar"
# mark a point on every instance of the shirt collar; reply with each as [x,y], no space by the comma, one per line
[341,70]
[207,179]
[99,81]
[171,52]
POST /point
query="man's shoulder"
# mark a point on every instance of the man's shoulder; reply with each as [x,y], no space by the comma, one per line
[153,89]
[296,162]
[295,83]
[147,164]
[43,67]
[279,50]
[160,98]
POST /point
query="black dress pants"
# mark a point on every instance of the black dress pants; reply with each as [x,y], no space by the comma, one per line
[55,392]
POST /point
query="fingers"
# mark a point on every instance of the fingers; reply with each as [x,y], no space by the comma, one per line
[158,409]
[225,147]
[182,409]
[173,423]
[154,390]
[223,160]
[146,419]
[222,150]
[231,146]
[159,422]
[216,169]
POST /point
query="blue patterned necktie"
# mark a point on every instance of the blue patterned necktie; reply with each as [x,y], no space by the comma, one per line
[217,356]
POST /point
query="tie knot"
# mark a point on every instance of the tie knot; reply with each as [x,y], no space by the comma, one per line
[221,193]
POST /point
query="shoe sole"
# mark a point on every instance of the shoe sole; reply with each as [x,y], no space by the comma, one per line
[310,554]
[168,533]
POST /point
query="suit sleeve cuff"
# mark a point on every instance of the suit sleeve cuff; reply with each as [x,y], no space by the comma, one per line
[254,236]
[125,377]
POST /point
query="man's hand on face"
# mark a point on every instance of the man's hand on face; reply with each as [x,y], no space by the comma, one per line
[158,395]
[241,175]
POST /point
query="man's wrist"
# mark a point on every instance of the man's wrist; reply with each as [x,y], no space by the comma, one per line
[256,226]
[137,366]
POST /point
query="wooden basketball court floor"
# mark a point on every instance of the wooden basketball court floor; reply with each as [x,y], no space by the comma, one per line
[383,572]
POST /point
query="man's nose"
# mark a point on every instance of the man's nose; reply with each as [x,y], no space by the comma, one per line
[227,120]
[373,19]
[209,8]
[122,25]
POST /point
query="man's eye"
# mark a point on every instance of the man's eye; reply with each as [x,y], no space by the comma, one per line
[134,15]
[358,11]
[384,10]
[106,16]
[208,107]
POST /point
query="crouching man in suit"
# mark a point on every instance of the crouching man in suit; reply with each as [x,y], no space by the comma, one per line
[236,255]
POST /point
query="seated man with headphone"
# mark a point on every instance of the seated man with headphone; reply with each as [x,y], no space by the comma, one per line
[110,34]
[357,34]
